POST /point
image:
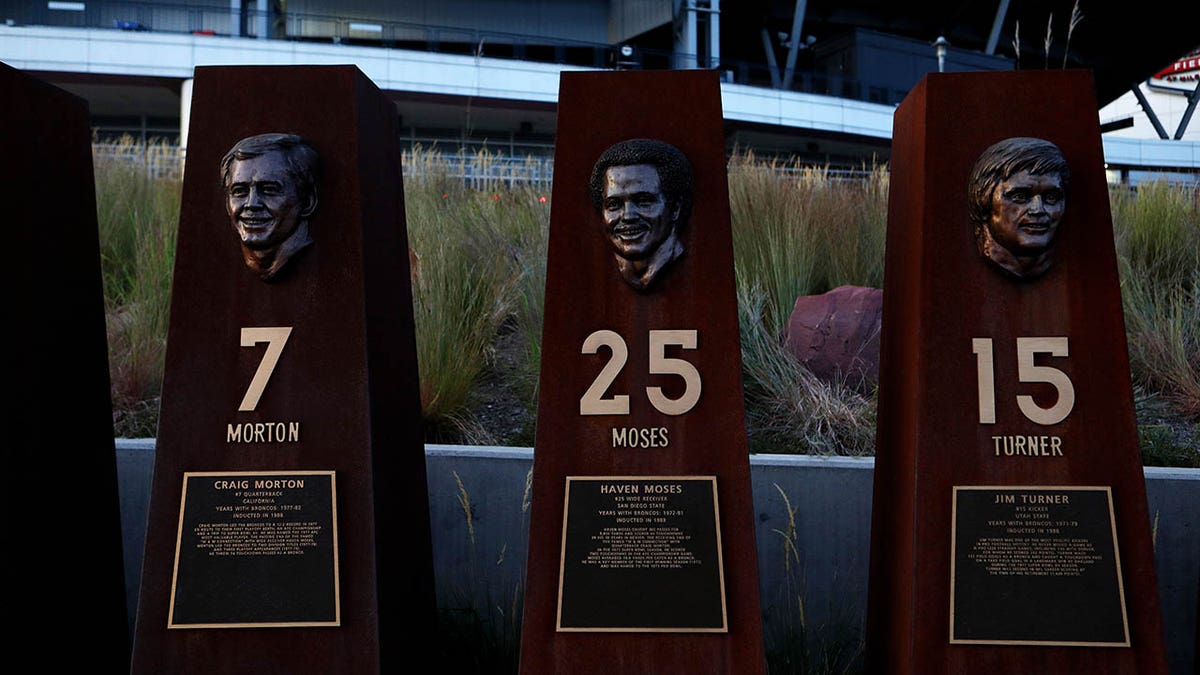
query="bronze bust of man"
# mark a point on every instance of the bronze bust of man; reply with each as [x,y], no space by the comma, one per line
[270,183]
[642,189]
[1018,194]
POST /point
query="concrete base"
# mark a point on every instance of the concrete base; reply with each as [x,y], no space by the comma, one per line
[813,533]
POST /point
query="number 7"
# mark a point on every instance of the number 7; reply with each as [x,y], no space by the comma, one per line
[276,338]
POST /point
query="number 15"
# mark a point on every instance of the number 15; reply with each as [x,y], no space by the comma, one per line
[1026,372]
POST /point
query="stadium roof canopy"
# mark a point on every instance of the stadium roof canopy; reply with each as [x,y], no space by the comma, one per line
[1124,43]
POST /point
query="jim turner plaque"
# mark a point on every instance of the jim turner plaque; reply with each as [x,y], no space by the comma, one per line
[1036,566]
[256,549]
[1006,436]
[641,554]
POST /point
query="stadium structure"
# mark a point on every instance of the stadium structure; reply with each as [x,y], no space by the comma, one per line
[817,80]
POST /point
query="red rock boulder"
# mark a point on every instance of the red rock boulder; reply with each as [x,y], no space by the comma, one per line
[836,335]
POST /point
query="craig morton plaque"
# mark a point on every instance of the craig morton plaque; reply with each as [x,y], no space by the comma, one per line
[291,359]
[641,554]
[256,549]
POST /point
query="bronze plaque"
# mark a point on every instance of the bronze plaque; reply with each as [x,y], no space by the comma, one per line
[641,553]
[1036,565]
[256,550]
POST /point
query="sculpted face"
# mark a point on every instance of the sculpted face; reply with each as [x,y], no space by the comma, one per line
[1026,210]
[637,217]
[264,202]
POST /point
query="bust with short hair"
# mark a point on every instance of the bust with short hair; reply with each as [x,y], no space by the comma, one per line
[1018,193]
[642,189]
[270,183]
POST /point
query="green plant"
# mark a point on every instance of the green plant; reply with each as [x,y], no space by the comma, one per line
[1157,229]
[1162,445]
[801,230]
[774,242]
[855,230]
[138,217]
[478,232]
[794,647]
[474,278]
[788,409]
[1164,440]
[473,638]
[459,300]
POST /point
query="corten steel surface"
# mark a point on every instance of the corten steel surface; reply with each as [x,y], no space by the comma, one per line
[585,293]
[63,539]
[348,373]
[939,294]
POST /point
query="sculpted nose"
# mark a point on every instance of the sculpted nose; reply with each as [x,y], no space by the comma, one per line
[1037,205]
[254,198]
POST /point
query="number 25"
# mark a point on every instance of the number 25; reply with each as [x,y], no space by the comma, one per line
[593,401]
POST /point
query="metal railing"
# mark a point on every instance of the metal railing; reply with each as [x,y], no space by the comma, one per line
[478,170]
[481,170]
[159,160]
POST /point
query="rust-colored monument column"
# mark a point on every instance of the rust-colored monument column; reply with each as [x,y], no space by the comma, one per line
[62,520]
[1010,530]
[289,522]
[641,553]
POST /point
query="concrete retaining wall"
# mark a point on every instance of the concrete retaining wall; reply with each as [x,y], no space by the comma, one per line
[813,523]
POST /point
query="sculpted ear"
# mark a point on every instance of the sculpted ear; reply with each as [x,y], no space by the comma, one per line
[310,204]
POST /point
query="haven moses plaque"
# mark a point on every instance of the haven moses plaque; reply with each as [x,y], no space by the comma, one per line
[641,553]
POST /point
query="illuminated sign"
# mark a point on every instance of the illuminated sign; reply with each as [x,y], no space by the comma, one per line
[1181,75]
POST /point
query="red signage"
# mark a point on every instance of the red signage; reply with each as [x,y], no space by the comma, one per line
[1186,68]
